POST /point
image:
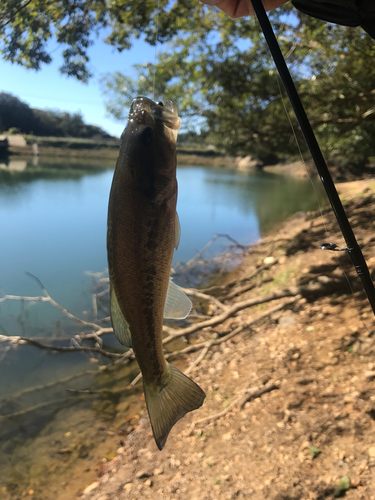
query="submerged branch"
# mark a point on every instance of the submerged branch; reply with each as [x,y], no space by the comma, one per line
[26,340]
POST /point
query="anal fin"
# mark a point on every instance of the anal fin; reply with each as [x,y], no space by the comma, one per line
[119,323]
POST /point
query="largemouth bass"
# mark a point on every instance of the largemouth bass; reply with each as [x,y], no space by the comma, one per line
[143,231]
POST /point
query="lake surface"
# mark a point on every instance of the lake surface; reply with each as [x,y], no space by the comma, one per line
[53,225]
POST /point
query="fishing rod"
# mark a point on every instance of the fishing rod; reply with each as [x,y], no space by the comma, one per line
[353,249]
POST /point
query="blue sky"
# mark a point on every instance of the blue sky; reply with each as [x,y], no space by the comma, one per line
[47,88]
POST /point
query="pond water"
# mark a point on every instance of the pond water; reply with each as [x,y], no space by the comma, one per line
[53,225]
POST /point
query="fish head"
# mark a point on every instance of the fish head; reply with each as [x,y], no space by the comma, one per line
[150,137]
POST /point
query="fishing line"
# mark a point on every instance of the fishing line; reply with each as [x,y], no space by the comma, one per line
[258,30]
[327,232]
[301,155]
[354,251]
[156,47]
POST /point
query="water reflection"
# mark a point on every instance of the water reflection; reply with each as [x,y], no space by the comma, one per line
[14,165]
[14,172]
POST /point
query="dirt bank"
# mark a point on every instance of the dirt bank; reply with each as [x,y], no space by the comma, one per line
[290,405]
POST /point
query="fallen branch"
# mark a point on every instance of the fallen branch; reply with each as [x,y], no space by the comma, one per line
[252,393]
[206,346]
[204,296]
[230,311]
[248,277]
[27,340]
[194,260]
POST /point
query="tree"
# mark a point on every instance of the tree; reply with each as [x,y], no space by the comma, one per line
[26,27]
[223,74]
[218,70]
[15,113]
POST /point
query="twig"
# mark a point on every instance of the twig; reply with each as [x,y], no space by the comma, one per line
[60,308]
[200,295]
[230,311]
[206,346]
[32,408]
[27,340]
[256,392]
[207,246]
[252,393]
[44,387]
[234,282]
[84,391]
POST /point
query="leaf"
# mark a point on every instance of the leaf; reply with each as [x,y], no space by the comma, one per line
[314,452]
[342,487]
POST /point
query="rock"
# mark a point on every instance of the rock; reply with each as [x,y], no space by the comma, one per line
[148,483]
[65,451]
[370,375]
[142,474]
[305,380]
[287,320]
[247,163]
[268,261]
[324,280]
[91,488]
[128,487]
[158,472]
[371,451]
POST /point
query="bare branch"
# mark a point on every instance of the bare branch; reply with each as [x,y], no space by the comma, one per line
[230,311]
[252,393]
[26,340]
[200,295]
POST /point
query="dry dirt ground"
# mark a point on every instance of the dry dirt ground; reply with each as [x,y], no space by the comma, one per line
[310,436]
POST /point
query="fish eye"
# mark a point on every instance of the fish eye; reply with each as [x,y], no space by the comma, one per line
[160,103]
[146,136]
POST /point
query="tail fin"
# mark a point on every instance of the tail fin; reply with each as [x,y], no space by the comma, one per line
[167,403]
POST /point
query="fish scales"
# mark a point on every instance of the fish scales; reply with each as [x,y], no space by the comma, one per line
[142,234]
[143,276]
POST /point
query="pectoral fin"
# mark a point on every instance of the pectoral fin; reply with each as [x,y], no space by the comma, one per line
[177,231]
[177,304]
[120,326]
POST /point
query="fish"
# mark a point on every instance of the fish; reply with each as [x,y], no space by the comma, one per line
[143,230]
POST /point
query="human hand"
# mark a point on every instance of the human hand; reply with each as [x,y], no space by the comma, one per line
[240,8]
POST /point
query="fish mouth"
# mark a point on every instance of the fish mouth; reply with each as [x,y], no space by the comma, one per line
[143,109]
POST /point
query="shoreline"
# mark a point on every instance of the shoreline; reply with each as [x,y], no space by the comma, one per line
[305,364]
[203,159]
[308,369]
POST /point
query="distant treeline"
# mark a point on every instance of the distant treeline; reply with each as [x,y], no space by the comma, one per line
[16,114]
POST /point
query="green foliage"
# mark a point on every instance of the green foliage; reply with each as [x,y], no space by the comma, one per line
[26,27]
[222,77]
[218,70]
[342,487]
[16,115]
[314,451]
